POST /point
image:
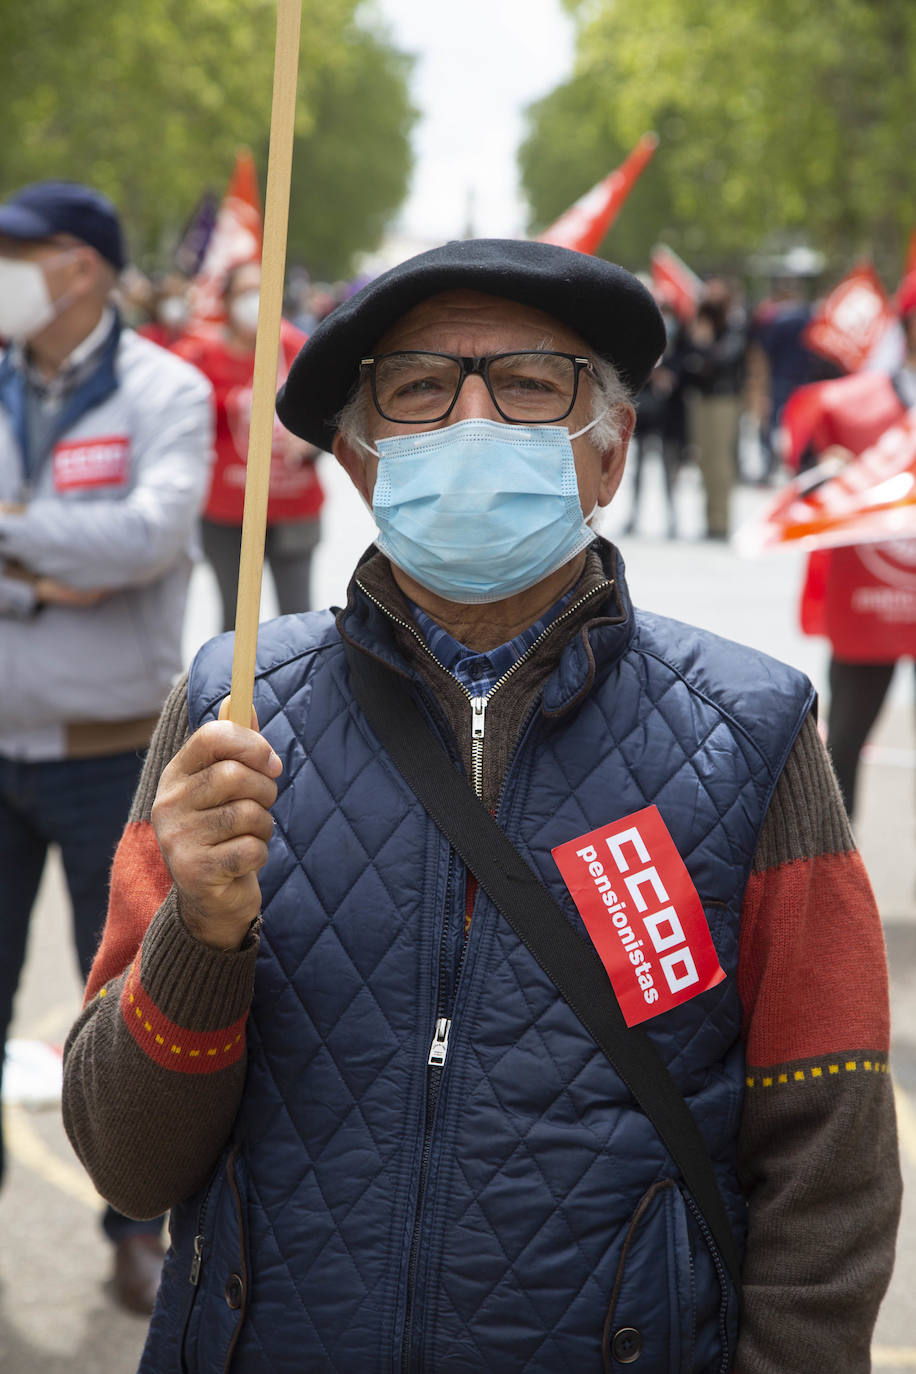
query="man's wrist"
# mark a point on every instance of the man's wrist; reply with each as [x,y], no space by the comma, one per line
[216,933]
[195,985]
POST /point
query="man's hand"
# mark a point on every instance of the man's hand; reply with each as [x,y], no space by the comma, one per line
[212,820]
[53,593]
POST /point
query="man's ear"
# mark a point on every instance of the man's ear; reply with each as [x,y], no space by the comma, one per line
[91,275]
[357,467]
[613,460]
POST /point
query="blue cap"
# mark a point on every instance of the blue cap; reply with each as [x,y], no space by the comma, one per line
[46,208]
[611,310]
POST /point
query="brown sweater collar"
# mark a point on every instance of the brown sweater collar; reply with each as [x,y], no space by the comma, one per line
[599,599]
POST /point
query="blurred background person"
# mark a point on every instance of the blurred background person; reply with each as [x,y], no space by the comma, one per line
[778,363]
[713,367]
[661,425]
[169,310]
[225,354]
[861,597]
[133,296]
[105,446]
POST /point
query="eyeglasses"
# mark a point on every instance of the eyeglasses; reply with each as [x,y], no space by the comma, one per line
[414,388]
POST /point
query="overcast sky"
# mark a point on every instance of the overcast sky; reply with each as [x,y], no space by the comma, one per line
[479,63]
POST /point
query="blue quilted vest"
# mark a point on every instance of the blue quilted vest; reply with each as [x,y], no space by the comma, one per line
[511,1210]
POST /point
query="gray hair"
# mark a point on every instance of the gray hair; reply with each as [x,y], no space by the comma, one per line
[612,398]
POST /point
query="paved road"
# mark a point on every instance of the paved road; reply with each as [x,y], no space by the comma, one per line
[55,1315]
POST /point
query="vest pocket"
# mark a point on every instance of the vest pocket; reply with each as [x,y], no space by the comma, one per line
[649,1325]
[218,1272]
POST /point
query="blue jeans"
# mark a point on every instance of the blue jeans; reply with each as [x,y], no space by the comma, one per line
[80,805]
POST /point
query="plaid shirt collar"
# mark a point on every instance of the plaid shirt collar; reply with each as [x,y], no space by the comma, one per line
[479,673]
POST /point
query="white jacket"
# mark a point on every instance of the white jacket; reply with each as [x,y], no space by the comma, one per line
[115,505]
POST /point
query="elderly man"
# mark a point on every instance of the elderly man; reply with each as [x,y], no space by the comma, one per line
[105,447]
[388,1139]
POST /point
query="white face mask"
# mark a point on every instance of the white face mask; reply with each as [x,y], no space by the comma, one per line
[243,311]
[26,306]
[172,311]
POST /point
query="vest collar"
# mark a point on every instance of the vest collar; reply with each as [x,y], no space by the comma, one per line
[597,637]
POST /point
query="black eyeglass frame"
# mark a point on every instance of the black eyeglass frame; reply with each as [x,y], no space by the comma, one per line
[475,367]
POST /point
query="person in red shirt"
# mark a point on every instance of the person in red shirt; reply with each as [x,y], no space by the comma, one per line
[862,597]
[225,354]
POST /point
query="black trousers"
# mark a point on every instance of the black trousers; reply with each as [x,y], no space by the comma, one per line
[857,692]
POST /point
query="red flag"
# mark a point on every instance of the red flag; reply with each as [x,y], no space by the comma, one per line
[236,238]
[585,224]
[870,499]
[851,319]
[673,282]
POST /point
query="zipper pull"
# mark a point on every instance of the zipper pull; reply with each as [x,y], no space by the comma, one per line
[478,723]
[439,1048]
[197,1260]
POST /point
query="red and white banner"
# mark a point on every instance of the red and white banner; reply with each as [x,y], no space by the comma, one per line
[674,283]
[585,224]
[869,499]
[235,239]
[851,319]
[642,912]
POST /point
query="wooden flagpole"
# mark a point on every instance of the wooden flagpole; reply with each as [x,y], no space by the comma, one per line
[266,354]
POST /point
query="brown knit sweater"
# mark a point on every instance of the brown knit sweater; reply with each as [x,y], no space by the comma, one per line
[155,1064]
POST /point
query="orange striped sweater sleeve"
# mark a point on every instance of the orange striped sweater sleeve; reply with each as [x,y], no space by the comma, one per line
[817,1150]
[160,1042]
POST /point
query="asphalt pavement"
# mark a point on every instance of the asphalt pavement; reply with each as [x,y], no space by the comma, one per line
[56,1315]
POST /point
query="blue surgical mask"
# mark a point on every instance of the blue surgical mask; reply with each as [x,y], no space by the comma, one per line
[478,510]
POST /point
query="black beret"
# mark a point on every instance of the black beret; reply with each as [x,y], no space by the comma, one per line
[611,310]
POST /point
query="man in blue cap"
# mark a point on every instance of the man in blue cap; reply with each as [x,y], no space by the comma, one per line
[361,1079]
[104,452]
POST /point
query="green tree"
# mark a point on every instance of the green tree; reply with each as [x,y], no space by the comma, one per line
[780,122]
[149,100]
[351,170]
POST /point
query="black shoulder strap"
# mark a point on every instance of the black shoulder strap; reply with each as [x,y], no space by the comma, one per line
[570,963]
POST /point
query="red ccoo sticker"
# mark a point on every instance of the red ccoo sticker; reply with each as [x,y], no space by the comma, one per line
[81,463]
[642,912]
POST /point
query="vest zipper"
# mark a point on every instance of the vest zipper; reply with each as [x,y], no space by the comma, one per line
[724,1281]
[197,1259]
[479,704]
[435,1062]
[200,1237]
[196,1263]
[438,1051]
[439,1048]
[478,727]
